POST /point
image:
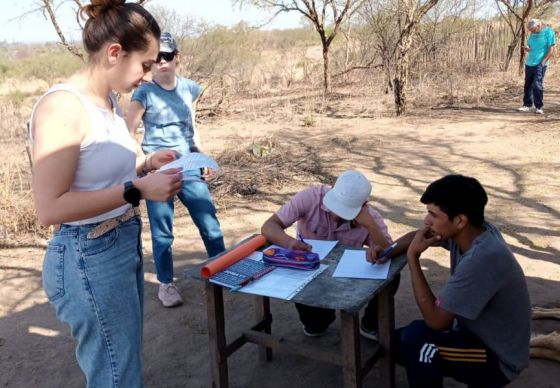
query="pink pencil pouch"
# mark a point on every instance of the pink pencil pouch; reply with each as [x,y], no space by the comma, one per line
[281,257]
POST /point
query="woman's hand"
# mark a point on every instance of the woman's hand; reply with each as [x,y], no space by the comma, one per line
[161,185]
[159,158]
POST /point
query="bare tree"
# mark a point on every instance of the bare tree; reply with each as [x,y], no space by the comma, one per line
[410,13]
[516,14]
[49,8]
[382,34]
[327,16]
[394,24]
[180,26]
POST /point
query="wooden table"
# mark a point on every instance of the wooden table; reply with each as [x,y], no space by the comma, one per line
[348,296]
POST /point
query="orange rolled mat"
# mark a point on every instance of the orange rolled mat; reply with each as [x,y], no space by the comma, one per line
[233,256]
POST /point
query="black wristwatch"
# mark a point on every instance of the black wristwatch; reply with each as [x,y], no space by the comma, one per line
[131,194]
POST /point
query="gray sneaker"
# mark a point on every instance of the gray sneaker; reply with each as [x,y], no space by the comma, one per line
[169,295]
[369,334]
[524,109]
[539,111]
[310,333]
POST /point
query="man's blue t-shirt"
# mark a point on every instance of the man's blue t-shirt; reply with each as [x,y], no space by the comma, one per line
[169,116]
[539,44]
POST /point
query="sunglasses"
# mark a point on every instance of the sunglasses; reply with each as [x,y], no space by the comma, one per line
[167,56]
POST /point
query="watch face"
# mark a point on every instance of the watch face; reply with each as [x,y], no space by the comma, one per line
[131,194]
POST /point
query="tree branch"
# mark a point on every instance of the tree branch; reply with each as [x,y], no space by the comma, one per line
[47,6]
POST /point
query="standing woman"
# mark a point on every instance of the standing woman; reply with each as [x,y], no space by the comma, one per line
[166,106]
[85,178]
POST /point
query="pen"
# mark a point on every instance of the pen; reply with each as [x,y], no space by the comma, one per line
[300,238]
[388,250]
[242,284]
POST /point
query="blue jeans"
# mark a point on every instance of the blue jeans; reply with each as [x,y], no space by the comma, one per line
[196,197]
[534,89]
[97,287]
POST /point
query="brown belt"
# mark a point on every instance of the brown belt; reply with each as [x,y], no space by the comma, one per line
[110,224]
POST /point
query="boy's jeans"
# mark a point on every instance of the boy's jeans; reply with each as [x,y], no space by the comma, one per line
[196,197]
[97,287]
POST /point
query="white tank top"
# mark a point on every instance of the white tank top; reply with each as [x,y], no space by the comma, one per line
[107,153]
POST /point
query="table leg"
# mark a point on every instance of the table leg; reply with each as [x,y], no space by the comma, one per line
[386,309]
[262,310]
[350,338]
[217,335]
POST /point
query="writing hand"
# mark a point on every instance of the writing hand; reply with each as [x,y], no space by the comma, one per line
[372,255]
[298,245]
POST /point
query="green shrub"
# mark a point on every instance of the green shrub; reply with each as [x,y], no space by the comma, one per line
[47,66]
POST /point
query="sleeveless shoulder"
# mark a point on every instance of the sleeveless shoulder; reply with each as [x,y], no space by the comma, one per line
[57,88]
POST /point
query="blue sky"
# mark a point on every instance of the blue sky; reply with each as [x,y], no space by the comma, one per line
[37,28]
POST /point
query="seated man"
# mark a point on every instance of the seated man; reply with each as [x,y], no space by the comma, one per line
[477,329]
[342,214]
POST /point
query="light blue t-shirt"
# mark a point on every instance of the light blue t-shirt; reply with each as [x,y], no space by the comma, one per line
[169,116]
[539,44]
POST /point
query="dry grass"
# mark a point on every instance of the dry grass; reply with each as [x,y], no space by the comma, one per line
[268,164]
[19,225]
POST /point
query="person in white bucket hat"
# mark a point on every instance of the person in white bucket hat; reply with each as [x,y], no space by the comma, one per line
[348,196]
[339,213]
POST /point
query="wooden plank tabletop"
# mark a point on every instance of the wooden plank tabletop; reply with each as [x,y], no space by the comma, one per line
[345,294]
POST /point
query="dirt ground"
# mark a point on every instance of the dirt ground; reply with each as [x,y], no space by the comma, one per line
[515,156]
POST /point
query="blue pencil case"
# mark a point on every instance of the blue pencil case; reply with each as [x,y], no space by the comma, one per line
[288,258]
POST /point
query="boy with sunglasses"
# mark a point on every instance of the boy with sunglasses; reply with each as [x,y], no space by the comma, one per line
[167,108]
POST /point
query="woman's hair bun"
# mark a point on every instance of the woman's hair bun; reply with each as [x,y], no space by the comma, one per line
[99,7]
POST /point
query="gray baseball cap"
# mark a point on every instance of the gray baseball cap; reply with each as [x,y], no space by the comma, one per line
[167,43]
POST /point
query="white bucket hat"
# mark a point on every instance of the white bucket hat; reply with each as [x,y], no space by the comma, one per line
[350,192]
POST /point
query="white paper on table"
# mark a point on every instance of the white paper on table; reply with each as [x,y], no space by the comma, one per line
[282,283]
[353,264]
[321,247]
[192,161]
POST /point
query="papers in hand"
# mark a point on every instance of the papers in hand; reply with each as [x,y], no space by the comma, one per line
[193,161]
[353,264]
